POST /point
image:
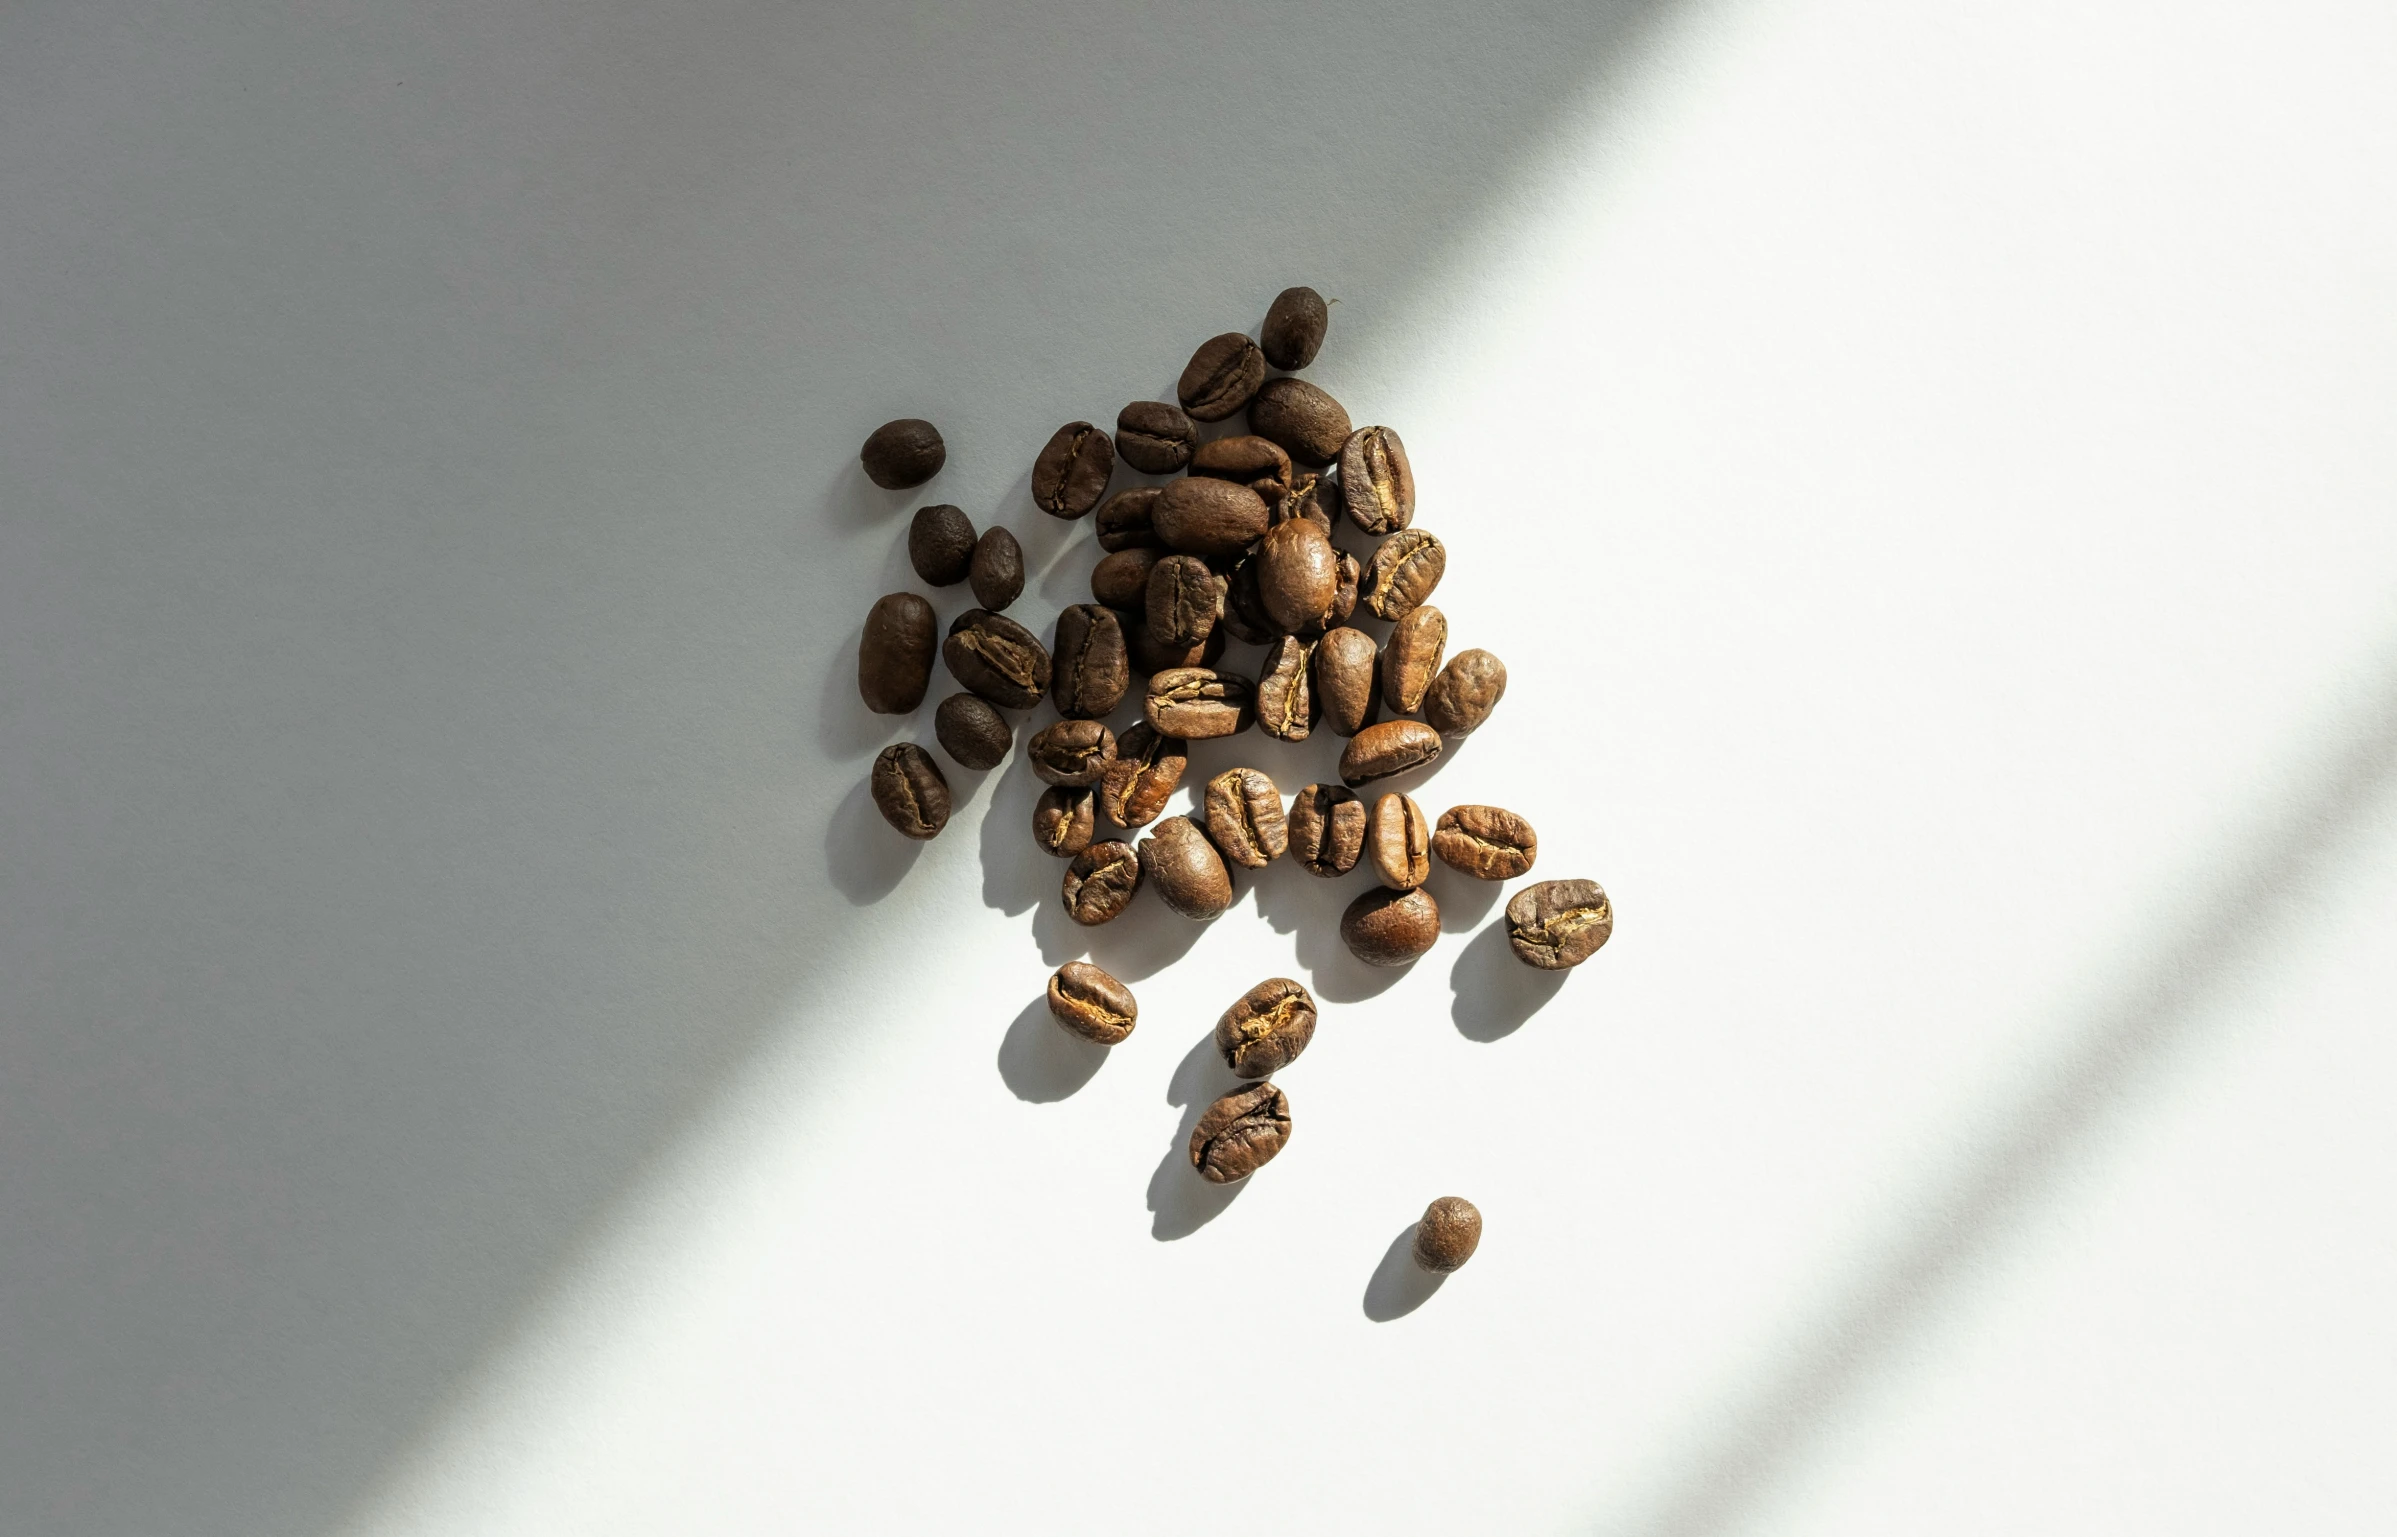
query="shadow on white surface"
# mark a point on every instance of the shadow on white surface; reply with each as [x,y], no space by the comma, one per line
[1399,1286]
[1041,1061]
[1496,993]
[1182,1200]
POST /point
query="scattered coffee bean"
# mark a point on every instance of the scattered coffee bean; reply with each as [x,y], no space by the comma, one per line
[1298,574]
[1199,516]
[1150,659]
[1465,692]
[1377,481]
[1293,328]
[1220,377]
[1148,768]
[1091,671]
[1313,497]
[1400,843]
[1092,1004]
[1403,571]
[997,658]
[1390,928]
[1448,1234]
[1285,692]
[1301,417]
[1485,842]
[1243,611]
[998,569]
[1246,459]
[1196,703]
[1185,598]
[1244,818]
[940,544]
[894,656]
[909,791]
[1121,580]
[1155,438]
[1101,883]
[1124,522]
[1558,924]
[1240,1133]
[1345,662]
[1393,747]
[1327,830]
[1412,659]
[1072,752]
[1064,821]
[971,730]
[1071,473]
[1185,869]
[906,453]
[1266,1030]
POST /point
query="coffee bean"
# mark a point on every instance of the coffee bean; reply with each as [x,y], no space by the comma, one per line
[1266,1030]
[1243,611]
[1344,599]
[1150,659]
[1185,598]
[972,731]
[1124,522]
[909,791]
[1199,516]
[1377,481]
[894,656]
[1412,659]
[1091,670]
[1072,752]
[1301,417]
[1101,883]
[1313,497]
[1220,377]
[1390,928]
[905,453]
[1344,679]
[1558,924]
[1485,842]
[1327,830]
[1064,820]
[1155,438]
[998,570]
[1121,580]
[997,658]
[1246,459]
[940,544]
[1393,747]
[1185,869]
[1402,573]
[1092,1004]
[1240,1133]
[1298,573]
[1400,843]
[1070,475]
[1148,768]
[1465,692]
[1244,818]
[1293,328]
[1448,1234]
[1285,694]
[1196,703]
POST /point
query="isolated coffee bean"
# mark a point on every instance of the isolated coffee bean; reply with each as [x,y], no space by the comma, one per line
[1220,377]
[894,655]
[1244,818]
[1124,520]
[1199,516]
[1071,473]
[1448,1234]
[997,658]
[1315,498]
[1072,752]
[1402,573]
[1148,768]
[1346,664]
[1121,580]
[998,569]
[1293,328]
[1286,691]
[1485,842]
[1399,842]
[1243,611]
[1266,1030]
[1465,692]
[1101,883]
[1377,481]
[1197,703]
[1091,670]
[1240,1133]
[1301,417]
[1246,459]
[1298,572]
[1092,1004]
[1558,924]
[940,544]
[1150,659]
[909,791]
[1064,820]
[1327,829]
[1155,438]
[1392,747]
[1185,870]
[1390,928]
[1412,658]
[970,729]
[1185,598]
[905,453]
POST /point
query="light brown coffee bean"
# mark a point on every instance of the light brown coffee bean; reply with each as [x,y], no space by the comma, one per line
[1266,1029]
[1198,703]
[1064,821]
[1393,747]
[1121,580]
[1327,830]
[1390,928]
[1285,691]
[1125,520]
[1148,768]
[1072,470]
[909,790]
[1101,883]
[1402,573]
[1245,458]
[1185,869]
[1240,1133]
[997,658]
[1298,573]
[1092,1004]
[1154,438]
[1465,692]
[1377,481]
[1345,664]
[997,570]
[1485,842]
[1072,752]
[1400,843]
[1412,659]
[1344,600]
[940,544]
[1198,516]
[1301,417]
[1556,925]
[1220,377]
[1185,598]
[970,729]
[1244,818]
[894,655]
[1091,670]
[1448,1234]
[1293,328]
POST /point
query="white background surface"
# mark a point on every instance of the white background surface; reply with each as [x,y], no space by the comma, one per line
[466,1067]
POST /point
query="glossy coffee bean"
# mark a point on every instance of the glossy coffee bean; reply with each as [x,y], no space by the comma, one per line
[1465,692]
[1344,599]
[1124,521]
[1071,472]
[1150,659]
[1240,1133]
[1402,573]
[1091,670]
[1315,498]
[1198,703]
[1556,925]
[904,453]
[1327,830]
[1101,883]
[1346,664]
[1298,573]
[1293,329]
[1064,820]
[1199,516]
[894,655]
[1412,658]
[1246,459]
[970,729]
[1092,1004]
[1485,842]
[1390,928]
[1243,611]
[1301,417]
[1266,1030]
[1185,598]
[1286,690]
[1071,752]
[1185,870]
[1244,818]
[1155,438]
[1376,481]
[1399,843]
[1121,580]
[940,544]
[998,569]
[1448,1234]
[1392,747]
[997,658]
[909,790]
[1148,768]
[1220,377]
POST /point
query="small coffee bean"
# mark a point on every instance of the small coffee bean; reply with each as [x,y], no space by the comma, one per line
[1465,692]
[1185,598]
[1064,820]
[1298,573]
[940,544]
[1071,473]
[1090,671]
[1412,659]
[1220,377]
[1448,1234]
[1293,328]
[1244,818]
[1148,768]
[1558,924]
[1402,573]
[1199,516]
[1101,883]
[1246,459]
[1124,522]
[905,453]
[1344,599]
[1327,830]
[1072,752]
[1400,843]
[997,658]
[1197,703]
[909,791]
[894,656]
[1390,928]
[1285,694]
[1301,417]
[1185,869]
[1240,1133]
[1377,481]
[1243,611]
[1266,1030]
[971,730]
[1121,580]
[1345,662]
[1485,842]
[998,571]
[1092,1004]
[1150,659]
[1313,497]
[1155,438]
[1393,747]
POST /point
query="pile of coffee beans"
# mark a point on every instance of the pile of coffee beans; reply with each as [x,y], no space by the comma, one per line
[1240,541]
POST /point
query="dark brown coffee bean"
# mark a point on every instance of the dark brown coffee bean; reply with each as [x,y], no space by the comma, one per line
[1315,498]
[1327,830]
[1220,377]
[997,658]
[1150,659]
[1197,703]
[1155,438]
[1293,328]
[998,572]
[1246,459]
[1124,522]
[1465,692]
[1448,1234]
[1285,692]
[1121,580]
[1148,768]
[894,656]
[1199,516]
[1101,883]
[1399,843]
[1240,1133]
[1402,573]
[1185,599]
[1064,821]
[1092,1004]
[940,544]
[1390,928]
[971,730]
[909,791]
[1298,572]
[1412,659]
[1072,752]
[1091,670]
[1345,662]
[1301,417]
[905,453]
[1243,610]
[1244,818]
[1071,473]
[1393,747]
[1377,481]
[1266,1030]
[1558,924]
[1485,842]
[1185,869]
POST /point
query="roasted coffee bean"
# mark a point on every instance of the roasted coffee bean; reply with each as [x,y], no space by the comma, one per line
[1412,659]
[1448,1234]
[1121,580]
[1091,670]
[1220,377]
[1148,768]
[1150,659]
[1313,497]
[1377,481]
[894,656]
[1246,459]
[971,730]
[1327,829]
[1399,842]
[1390,928]
[1070,475]
[1199,516]
[1101,883]
[1345,662]
[1393,747]
[1244,818]
[1072,752]
[940,544]
[1196,703]
[1465,692]
[906,453]
[1124,522]
[1243,611]
[909,790]
[1293,328]
[1402,573]
[1558,924]
[1485,842]
[1185,869]
[1300,417]
[1092,1004]
[998,572]
[1344,599]
[1240,1133]
[997,658]
[1155,438]
[1064,820]
[1298,573]
[1285,693]
[1266,1030]
[1185,599]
